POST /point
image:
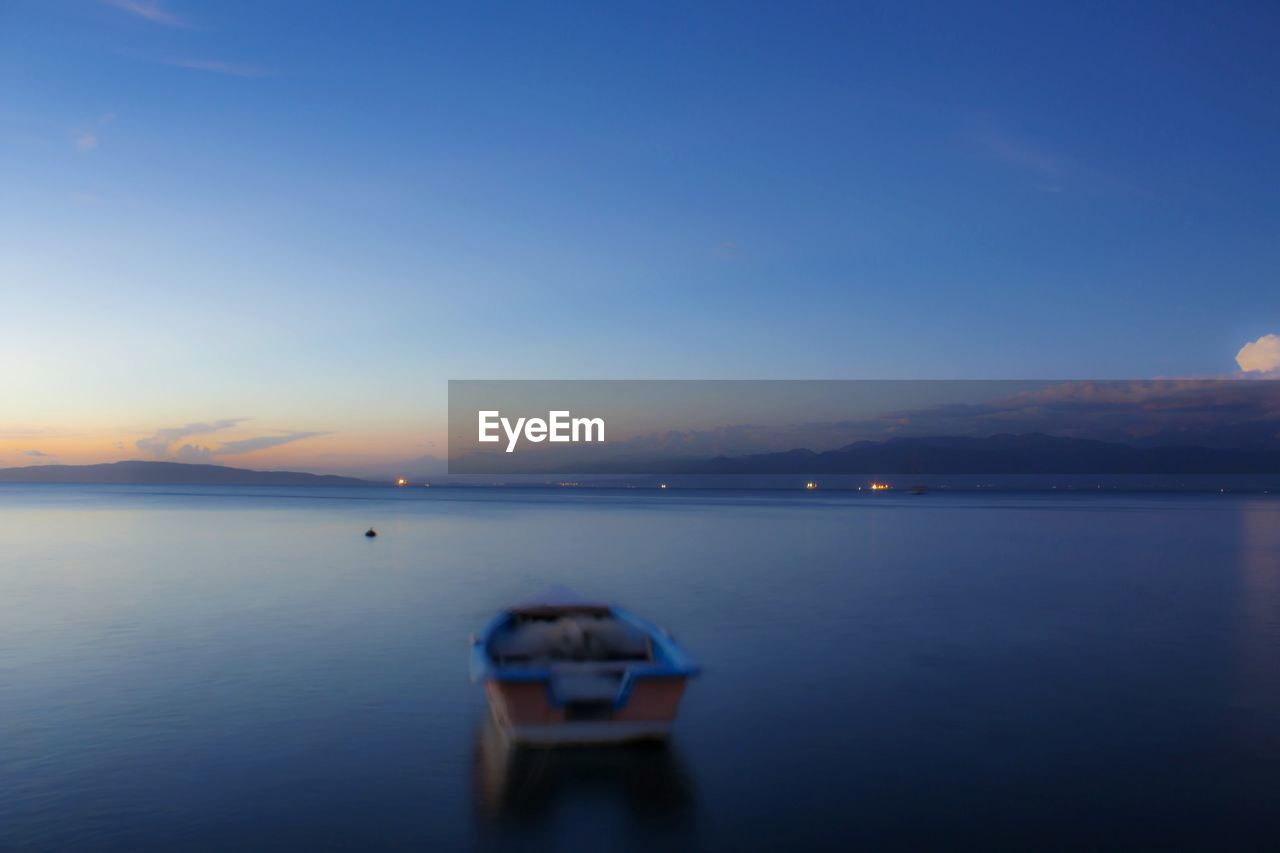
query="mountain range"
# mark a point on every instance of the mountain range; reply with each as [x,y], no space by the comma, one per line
[169,473]
[1029,453]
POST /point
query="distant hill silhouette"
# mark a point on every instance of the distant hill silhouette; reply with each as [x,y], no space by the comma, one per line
[169,473]
[1032,453]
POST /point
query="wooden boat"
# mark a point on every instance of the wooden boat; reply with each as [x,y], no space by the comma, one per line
[559,669]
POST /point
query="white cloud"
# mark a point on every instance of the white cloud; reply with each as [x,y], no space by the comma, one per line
[167,442]
[217,66]
[1021,154]
[1260,356]
[87,140]
[249,445]
[193,453]
[149,10]
[159,445]
[1047,169]
[726,251]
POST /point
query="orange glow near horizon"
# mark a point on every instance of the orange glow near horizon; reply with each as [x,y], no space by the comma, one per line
[329,451]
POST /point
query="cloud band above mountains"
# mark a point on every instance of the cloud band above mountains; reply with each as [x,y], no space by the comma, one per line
[165,442]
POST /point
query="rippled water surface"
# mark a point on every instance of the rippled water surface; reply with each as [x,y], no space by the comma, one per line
[186,668]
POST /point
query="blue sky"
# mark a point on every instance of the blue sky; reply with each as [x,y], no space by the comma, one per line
[303,218]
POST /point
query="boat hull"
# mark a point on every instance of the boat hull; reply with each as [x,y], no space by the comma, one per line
[588,733]
[529,714]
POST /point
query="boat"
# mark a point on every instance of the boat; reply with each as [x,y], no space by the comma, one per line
[559,669]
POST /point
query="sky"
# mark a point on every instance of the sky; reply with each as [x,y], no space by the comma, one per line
[267,233]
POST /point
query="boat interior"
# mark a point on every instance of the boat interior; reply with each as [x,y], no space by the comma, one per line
[545,635]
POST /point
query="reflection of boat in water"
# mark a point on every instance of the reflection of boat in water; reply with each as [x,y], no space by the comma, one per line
[513,784]
[560,669]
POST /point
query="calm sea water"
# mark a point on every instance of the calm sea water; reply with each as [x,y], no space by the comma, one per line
[186,668]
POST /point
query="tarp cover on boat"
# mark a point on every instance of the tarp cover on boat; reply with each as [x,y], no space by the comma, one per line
[557,598]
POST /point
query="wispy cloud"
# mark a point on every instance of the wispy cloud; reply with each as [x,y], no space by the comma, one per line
[249,445]
[165,438]
[167,442]
[87,140]
[217,66]
[39,457]
[1048,167]
[726,251]
[149,10]
[20,432]
[1021,154]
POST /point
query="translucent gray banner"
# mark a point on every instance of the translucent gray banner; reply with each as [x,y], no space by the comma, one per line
[718,428]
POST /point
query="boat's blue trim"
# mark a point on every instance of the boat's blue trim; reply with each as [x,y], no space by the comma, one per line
[482,666]
[669,659]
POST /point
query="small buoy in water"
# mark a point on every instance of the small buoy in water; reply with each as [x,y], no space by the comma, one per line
[371,533]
